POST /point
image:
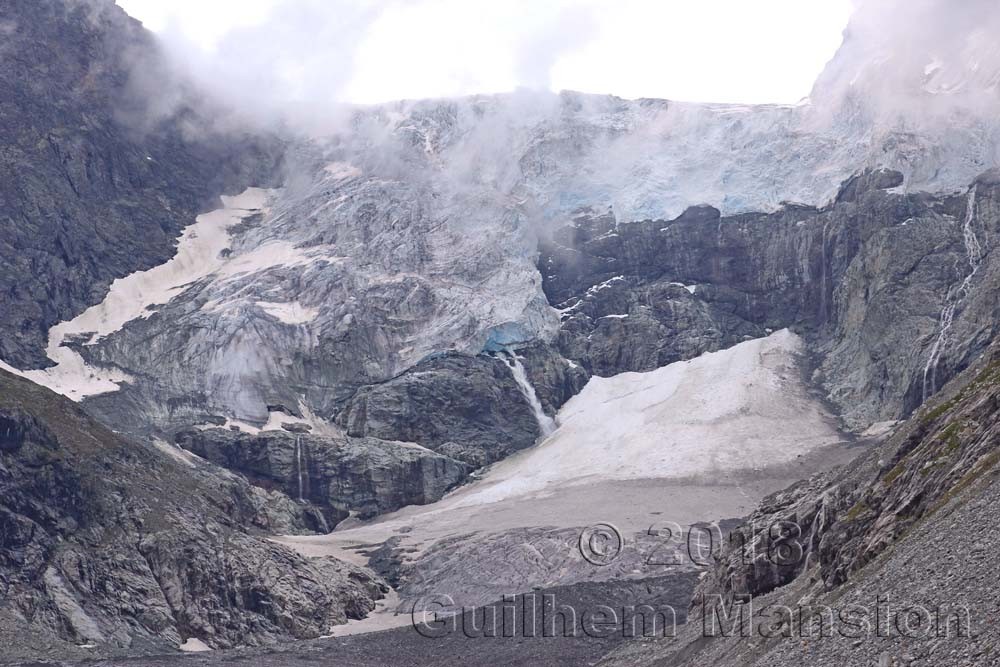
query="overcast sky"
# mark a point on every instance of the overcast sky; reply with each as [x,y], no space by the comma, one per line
[368,51]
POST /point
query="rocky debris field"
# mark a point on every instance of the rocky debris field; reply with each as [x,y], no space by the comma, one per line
[903,539]
[467,643]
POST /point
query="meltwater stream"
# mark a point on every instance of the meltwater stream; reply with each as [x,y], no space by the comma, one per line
[974,254]
[298,464]
[546,424]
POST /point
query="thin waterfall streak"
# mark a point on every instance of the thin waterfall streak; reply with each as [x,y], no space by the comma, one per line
[298,461]
[974,255]
[823,281]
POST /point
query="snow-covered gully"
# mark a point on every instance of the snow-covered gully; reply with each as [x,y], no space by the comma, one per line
[199,254]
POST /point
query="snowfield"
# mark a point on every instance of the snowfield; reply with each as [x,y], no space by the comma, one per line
[738,409]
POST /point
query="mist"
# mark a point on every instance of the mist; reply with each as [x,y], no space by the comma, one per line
[306,60]
[917,61]
[493,125]
[299,66]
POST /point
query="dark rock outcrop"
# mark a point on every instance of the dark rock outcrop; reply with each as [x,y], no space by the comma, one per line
[98,176]
[337,474]
[116,544]
[895,292]
[19,428]
[466,407]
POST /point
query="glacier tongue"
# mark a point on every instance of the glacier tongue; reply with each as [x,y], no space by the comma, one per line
[415,233]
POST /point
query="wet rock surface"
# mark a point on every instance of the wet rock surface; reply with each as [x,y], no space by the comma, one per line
[467,407]
[340,476]
[894,292]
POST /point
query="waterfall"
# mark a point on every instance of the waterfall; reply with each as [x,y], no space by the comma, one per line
[974,254]
[815,530]
[823,308]
[298,460]
[545,423]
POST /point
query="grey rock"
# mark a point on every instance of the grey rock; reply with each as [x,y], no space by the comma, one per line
[554,378]
[339,475]
[468,406]
[114,543]
[865,279]
[96,182]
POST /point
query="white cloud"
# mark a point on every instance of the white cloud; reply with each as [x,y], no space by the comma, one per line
[366,51]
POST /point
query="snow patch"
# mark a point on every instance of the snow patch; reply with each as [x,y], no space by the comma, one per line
[880,428]
[236,424]
[690,288]
[194,645]
[607,283]
[276,419]
[269,255]
[289,313]
[199,253]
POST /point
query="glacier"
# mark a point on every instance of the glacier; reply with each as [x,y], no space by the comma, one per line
[414,231]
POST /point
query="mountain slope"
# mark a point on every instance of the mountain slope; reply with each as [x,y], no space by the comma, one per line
[98,173]
[413,233]
[908,528]
[123,547]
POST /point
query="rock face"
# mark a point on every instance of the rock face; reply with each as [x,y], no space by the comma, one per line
[554,378]
[414,234]
[405,441]
[895,292]
[107,542]
[97,180]
[469,408]
[337,474]
[908,523]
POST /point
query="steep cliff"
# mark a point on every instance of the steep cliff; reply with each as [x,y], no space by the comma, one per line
[895,292]
[106,155]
